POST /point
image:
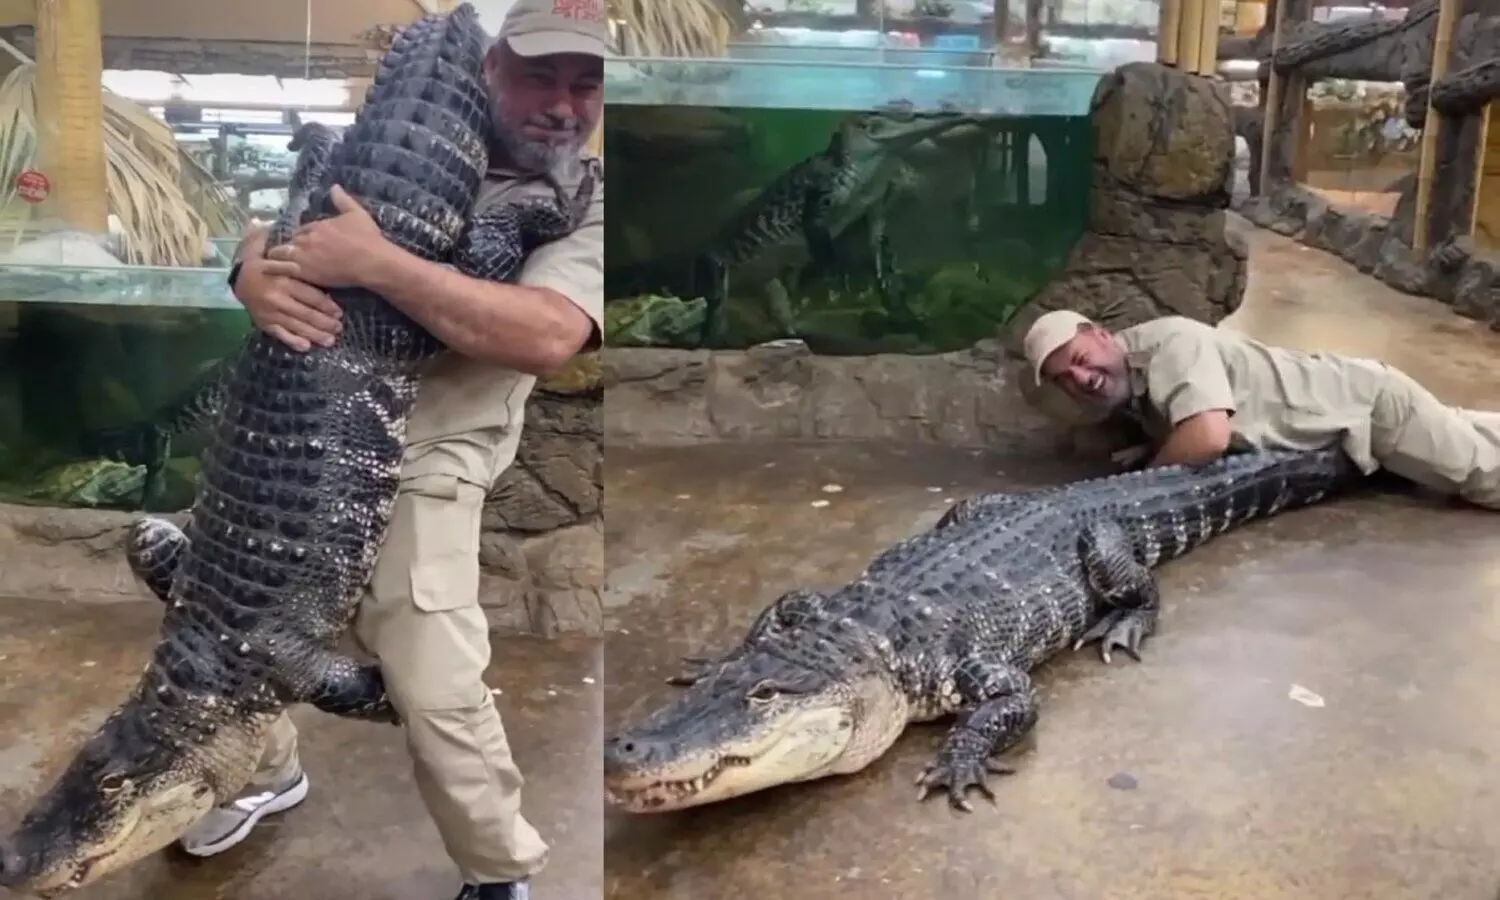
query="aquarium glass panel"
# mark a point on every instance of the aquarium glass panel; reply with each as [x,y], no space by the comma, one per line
[104,374]
[837,86]
[857,232]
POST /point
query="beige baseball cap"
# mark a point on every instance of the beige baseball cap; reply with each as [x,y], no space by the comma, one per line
[1047,334]
[544,27]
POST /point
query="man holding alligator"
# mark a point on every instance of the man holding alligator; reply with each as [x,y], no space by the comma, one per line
[1198,392]
[421,617]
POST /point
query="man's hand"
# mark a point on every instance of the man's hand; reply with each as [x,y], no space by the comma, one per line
[292,311]
[334,253]
[1131,458]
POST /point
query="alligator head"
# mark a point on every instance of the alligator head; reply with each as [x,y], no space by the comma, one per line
[135,787]
[881,133]
[753,723]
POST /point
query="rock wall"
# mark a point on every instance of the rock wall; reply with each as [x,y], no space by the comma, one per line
[541,545]
[1157,244]
[1455,272]
[783,391]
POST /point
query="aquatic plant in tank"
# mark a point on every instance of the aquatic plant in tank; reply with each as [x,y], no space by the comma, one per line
[861,208]
[104,372]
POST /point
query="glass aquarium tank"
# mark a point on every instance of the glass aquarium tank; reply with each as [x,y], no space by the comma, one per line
[106,380]
[859,207]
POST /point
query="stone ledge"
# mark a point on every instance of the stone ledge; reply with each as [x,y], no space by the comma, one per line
[546,583]
[782,391]
[541,540]
[1455,273]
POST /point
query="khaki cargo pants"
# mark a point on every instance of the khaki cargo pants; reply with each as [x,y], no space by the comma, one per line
[422,620]
[1417,436]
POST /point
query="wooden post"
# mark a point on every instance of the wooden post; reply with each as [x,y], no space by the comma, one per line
[1484,224]
[1168,23]
[1302,148]
[1208,39]
[1189,34]
[70,112]
[1442,49]
[1272,98]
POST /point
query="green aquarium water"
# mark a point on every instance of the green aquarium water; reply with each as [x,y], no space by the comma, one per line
[919,223]
[99,372]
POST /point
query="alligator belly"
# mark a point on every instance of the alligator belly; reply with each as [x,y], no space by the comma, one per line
[298,484]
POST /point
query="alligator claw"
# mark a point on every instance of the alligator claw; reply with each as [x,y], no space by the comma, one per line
[1126,629]
[957,778]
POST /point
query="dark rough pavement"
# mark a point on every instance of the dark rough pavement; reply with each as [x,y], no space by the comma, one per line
[1379,613]
[362,833]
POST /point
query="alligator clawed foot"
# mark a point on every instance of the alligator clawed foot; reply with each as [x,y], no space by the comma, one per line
[957,776]
[1125,629]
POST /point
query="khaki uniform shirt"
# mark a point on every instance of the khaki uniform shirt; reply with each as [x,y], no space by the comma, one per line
[1278,399]
[468,416]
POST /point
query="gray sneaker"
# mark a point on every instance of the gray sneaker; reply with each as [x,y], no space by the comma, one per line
[227,825]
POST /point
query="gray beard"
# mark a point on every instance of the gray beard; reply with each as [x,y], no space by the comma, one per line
[533,157]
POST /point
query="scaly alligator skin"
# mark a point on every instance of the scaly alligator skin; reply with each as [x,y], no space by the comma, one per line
[813,202]
[299,478]
[950,621]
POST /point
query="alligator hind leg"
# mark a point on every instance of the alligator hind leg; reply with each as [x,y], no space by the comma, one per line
[1123,582]
[153,549]
[970,508]
[1003,708]
[333,683]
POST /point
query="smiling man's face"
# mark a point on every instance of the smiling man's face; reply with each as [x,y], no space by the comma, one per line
[545,107]
[1090,368]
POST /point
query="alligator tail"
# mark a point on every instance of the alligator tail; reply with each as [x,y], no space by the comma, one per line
[1179,508]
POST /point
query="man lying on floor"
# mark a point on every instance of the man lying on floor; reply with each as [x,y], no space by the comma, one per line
[1198,392]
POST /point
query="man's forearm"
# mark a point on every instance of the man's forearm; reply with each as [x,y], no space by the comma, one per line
[1194,442]
[529,329]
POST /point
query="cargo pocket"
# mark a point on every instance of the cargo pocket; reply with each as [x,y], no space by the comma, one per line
[443,514]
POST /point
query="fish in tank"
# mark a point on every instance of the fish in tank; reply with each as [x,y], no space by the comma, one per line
[857,232]
[105,394]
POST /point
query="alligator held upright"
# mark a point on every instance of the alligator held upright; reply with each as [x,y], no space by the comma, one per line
[298,481]
[952,620]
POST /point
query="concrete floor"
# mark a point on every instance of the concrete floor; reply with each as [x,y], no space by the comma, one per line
[362,833]
[1379,612]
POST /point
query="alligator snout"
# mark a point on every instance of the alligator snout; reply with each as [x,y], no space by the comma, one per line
[627,753]
[13,868]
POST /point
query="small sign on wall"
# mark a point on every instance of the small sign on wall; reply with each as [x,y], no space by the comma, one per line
[33,186]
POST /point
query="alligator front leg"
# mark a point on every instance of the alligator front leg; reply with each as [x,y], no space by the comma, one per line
[153,549]
[331,682]
[785,613]
[1003,708]
[1122,581]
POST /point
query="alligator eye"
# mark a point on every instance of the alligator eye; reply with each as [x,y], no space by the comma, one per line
[112,784]
[762,693]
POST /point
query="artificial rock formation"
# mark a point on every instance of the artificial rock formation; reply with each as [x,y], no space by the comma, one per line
[1454,271]
[541,542]
[1157,244]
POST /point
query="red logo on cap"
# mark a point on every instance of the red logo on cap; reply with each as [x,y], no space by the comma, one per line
[589,10]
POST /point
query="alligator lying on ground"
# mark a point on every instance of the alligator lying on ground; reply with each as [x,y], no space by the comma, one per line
[791,224]
[952,620]
[298,482]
